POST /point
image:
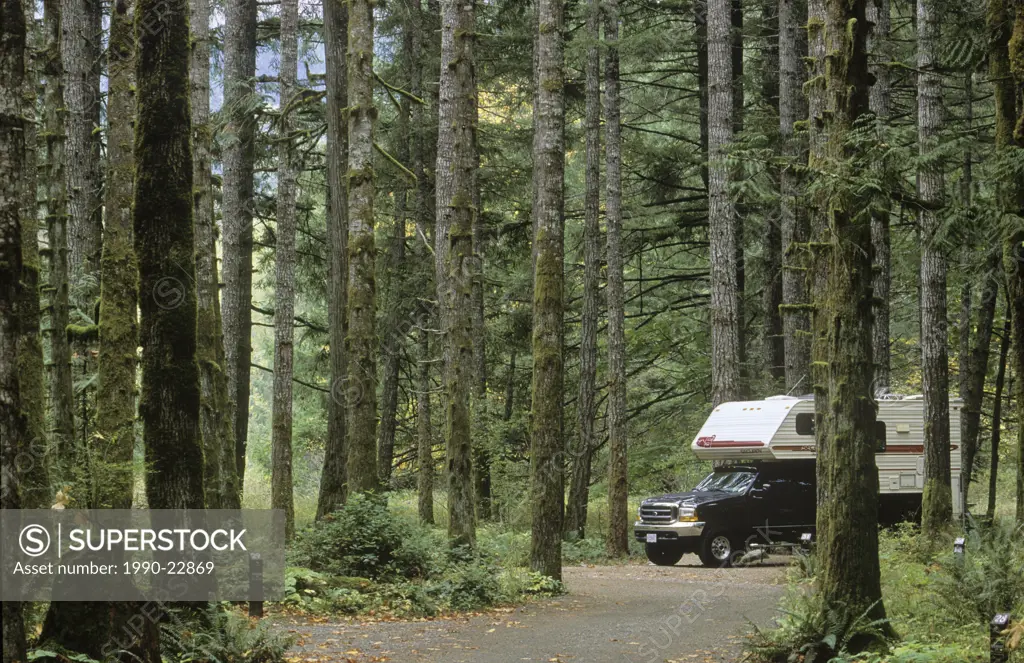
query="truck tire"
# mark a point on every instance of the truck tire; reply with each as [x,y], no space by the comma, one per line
[663,554]
[717,549]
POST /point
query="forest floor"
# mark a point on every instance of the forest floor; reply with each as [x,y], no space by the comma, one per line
[625,614]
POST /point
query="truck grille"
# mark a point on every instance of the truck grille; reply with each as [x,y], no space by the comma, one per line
[659,513]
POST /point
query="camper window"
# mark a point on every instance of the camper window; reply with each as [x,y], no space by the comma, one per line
[805,423]
[879,436]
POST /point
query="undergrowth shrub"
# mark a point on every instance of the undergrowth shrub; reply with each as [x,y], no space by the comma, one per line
[988,579]
[809,633]
[364,539]
[219,635]
[366,559]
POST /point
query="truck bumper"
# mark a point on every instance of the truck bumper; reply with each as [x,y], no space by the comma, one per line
[669,532]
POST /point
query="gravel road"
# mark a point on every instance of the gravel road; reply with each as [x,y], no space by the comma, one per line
[625,614]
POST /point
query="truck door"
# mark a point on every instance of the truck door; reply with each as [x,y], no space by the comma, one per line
[771,508]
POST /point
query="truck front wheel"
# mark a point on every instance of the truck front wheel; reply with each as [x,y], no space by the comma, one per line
[663,554]
[716,549]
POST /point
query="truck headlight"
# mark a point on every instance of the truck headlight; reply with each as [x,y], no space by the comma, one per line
[687,515]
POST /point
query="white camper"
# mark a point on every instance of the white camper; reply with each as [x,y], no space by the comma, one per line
[781,428]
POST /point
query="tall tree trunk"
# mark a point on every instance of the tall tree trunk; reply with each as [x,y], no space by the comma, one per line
[739,210]
[1004,31]
[80,48]
[774,340]
[165,244]
[85,626]
[618,464]
[61,393]
[13,424]
[218,427]
[847,478]
[392,336]
[281,496]
[726,304]
[32,471]
[700,29]
[879,102]
[586,400]
[818,225]
[114,444]
[937,504]
[456,165]
[361,394]
[334,476]
[424,434]
[997,418]
[481,448]
[237,213]
[795,222]
[976,367]
[1014,260]
[546,445]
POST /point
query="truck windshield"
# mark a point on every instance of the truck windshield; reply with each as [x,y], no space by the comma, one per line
[730,482]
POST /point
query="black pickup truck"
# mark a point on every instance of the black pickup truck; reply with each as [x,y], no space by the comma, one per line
[732,508]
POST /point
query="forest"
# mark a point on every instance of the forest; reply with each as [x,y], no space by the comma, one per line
[454,284]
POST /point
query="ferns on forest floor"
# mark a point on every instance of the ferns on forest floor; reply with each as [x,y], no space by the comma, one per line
[939,605]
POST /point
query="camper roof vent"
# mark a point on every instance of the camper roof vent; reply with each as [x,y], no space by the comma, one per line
[915,397]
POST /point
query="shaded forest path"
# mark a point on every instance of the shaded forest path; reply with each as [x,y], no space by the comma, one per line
[625,614]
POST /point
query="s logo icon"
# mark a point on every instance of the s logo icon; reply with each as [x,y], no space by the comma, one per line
[34,540]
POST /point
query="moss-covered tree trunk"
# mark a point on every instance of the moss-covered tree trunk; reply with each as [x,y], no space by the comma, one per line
[80,49]
[392,275]
[794,220]
[618,466]
[361,389]
[61,393]
[32,469]
[237,213]
[165,245]
[997,419]
[847,477]
[937,502]
[482,447]
[546,445]
[216,423]
[1006,68]
[392,335]
[86,626]
[774,346]
[281,484]
[975,367]
[114,441]
[13,424]
[335,470]
[726,306]
[586,394]
[456,164]
[880,101]
[424,429]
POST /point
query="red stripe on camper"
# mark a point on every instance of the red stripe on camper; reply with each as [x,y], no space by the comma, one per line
[712,443]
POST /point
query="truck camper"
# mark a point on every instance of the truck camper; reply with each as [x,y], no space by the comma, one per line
[763,486]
